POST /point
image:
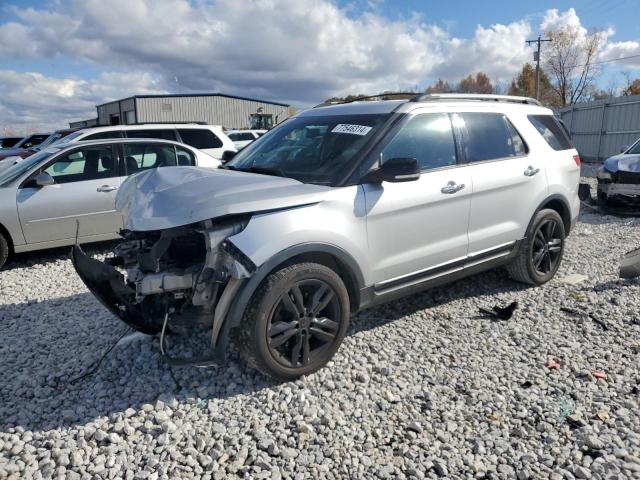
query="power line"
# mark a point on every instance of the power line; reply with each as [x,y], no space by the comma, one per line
[615,59]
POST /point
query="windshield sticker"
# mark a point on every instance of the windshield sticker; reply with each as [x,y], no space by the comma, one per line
[352,129]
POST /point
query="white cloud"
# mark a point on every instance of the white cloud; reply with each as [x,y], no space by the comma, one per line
[32,101]
[616,50]
[299,51]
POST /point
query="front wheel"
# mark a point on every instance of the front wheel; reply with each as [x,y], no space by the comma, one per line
[541,251]
[295,321]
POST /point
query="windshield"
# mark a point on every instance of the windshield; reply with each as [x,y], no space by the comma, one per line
[635,148]
[70,137]
[50,139]
[20,167]
[315,149]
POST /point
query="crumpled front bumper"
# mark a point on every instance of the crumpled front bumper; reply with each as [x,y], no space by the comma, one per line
[108,286]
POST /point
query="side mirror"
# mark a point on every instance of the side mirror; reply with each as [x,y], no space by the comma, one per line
[624,148]
[394,170]
[43,179]
[228,155]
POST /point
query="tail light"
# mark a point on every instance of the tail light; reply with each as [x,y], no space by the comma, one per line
[576,158]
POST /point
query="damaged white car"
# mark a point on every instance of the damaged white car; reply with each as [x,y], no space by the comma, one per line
[335,210]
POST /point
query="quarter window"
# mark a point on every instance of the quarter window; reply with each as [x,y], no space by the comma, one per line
[185,157]
[90,163]
[488,136]
[199,138]
[428,138]
[551,131]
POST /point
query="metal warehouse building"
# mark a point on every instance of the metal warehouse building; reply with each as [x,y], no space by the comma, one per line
[211,108]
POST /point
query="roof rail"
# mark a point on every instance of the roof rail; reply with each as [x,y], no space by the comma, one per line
[435,97]
[368,97]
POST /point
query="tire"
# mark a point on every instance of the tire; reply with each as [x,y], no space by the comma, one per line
[536,264]
[4,250]
[295,321]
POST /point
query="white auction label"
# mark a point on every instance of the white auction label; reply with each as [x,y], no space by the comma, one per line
[352,129]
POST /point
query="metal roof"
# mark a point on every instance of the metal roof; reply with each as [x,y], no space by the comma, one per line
[175,95]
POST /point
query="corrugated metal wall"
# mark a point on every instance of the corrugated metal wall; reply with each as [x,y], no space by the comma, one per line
[601,128]
[105,111]
[214,110]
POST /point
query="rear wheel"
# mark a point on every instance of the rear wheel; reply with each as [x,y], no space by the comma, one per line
[4,250]
[541,251]
[295,321]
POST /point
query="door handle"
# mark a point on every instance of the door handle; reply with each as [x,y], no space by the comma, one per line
[107,188]
[452,187]
[530,171]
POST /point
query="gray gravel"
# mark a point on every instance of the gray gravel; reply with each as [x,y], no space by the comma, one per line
[423,387]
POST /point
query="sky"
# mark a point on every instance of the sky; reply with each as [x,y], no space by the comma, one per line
[60,58]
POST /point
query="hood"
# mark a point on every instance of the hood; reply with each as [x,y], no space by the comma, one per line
[623,163]
[175,196]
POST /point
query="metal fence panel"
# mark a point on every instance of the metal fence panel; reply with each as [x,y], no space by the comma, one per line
[602,128]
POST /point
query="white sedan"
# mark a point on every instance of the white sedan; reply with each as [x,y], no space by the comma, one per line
[48,197]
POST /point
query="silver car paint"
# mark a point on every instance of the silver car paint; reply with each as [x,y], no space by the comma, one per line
[175,196]
[338,220]
[399,229]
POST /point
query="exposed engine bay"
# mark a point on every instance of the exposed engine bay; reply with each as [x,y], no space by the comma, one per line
[186,274]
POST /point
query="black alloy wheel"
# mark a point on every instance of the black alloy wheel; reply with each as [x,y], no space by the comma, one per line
[540,252]
[303,323]
[547,246]
[295,321]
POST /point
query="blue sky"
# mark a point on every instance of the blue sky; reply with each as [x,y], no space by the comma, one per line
[58,58]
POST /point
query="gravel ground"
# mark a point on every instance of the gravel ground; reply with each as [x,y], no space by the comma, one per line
[423,387]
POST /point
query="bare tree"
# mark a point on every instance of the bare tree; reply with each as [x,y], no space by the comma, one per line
[570,63]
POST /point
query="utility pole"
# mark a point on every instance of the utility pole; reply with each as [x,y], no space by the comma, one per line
[536,57]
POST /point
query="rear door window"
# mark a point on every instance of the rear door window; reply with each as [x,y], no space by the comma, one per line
[185,157]
[161,133]
[139,157]
[103,135]
[551,131]
[199,138]
[488,136]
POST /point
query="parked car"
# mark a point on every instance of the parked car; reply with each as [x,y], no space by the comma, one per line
[242,138]
[27,142]
[25,152]
[619,181]
[210,139]
[42,196]
[8,142]
[335,210]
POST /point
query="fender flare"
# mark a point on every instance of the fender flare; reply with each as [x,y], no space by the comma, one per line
[555,197]
[250,285]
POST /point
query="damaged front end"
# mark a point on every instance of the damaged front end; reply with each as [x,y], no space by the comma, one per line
[187,274]
[619,185]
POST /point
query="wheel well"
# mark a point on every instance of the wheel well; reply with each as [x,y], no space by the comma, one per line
[5,234]
[562,209]
[335,264]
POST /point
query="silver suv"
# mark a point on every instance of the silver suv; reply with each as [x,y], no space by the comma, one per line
[337,209]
